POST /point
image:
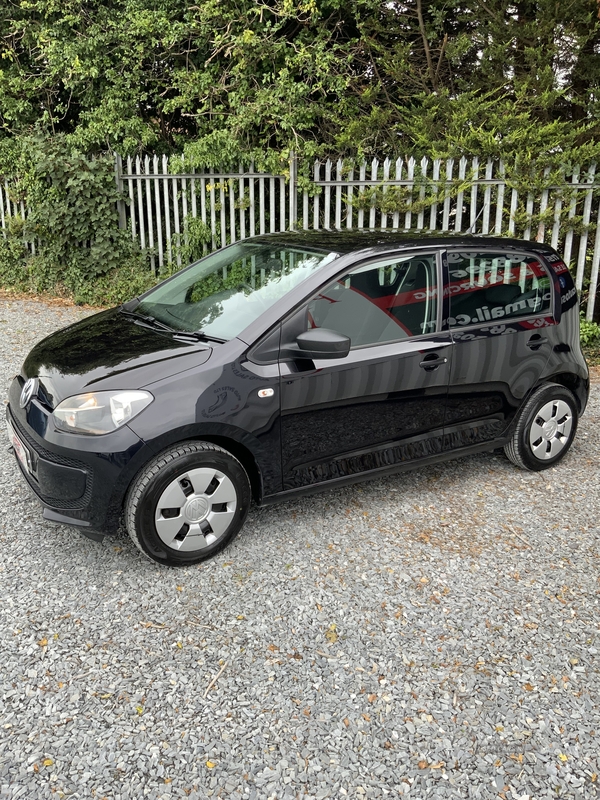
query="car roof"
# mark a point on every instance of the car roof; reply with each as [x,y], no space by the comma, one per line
[353,241]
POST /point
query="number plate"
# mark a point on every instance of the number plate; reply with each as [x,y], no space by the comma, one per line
[20,449]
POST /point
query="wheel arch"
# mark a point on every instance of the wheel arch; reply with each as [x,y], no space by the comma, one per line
[576,384]
[243,455]
[241,445]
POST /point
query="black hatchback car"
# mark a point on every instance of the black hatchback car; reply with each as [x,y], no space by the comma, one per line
[294,362]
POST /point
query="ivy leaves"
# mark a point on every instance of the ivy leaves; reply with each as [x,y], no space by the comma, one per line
[71,223]
[73,207]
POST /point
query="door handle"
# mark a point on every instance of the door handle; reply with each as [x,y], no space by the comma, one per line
[432,362]
[536,341]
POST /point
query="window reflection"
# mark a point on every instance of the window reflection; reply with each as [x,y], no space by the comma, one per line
[227,291]
[380,302]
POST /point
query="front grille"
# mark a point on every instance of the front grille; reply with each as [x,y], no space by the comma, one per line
[41,452]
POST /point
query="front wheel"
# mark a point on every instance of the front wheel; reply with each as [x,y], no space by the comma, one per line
[545,429]
[187,504]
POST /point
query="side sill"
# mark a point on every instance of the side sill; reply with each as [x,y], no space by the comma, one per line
[315,488]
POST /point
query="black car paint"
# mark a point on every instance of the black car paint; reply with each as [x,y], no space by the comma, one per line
[376,395]
[322,426]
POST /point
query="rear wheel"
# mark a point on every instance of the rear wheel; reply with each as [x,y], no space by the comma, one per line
[545,429]
[187,504]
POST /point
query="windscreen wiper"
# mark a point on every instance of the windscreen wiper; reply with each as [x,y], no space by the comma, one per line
[203,337]
[146,319]
[152,322]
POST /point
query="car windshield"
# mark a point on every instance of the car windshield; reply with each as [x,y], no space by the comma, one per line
[225,292]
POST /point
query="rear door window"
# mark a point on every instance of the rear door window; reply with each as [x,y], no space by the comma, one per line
[488,286]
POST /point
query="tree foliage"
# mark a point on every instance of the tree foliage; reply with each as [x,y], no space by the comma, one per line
[223,81]
[224,77]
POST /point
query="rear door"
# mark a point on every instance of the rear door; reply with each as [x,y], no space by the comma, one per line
[500,314]
[383,404]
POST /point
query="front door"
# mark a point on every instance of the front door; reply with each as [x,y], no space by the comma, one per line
[384,403]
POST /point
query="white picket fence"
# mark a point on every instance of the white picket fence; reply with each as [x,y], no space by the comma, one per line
[448,195]
[232,206]
[160,201]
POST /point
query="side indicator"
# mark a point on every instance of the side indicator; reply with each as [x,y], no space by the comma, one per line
[266,392]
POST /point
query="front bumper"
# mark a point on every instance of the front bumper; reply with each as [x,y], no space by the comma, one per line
[80,480]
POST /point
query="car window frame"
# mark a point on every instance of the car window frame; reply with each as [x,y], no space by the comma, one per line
[437,252]
[551,312]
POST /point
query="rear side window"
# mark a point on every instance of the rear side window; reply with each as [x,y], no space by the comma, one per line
[488,286]
[383,302]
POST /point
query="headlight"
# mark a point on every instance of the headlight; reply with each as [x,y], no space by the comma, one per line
[99,412]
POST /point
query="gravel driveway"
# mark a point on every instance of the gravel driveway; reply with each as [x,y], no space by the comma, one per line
[431,635]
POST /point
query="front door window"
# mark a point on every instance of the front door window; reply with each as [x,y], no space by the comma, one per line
[378,303]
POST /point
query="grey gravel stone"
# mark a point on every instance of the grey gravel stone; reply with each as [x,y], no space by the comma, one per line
[465,604]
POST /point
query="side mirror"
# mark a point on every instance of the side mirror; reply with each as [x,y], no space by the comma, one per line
[322,343]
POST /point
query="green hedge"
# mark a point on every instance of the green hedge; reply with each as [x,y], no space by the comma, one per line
[70,243]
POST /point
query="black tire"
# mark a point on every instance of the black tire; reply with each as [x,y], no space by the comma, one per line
[174,481]
[545,429]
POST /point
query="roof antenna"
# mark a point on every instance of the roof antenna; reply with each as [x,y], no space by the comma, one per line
[471,228]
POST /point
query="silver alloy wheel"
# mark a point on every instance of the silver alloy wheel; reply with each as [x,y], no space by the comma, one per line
[195,509]
[551,429]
